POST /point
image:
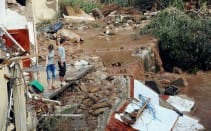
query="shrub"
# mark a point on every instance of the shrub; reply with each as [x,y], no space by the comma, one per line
[144,5]
[124,3]
[184,39]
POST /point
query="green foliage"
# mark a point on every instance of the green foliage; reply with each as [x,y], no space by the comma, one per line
[179,4]
[145,4]
[85,5]
[185,40]
[124,3]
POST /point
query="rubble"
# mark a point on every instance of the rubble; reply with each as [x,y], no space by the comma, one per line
[77,15]
[181,102]
[153,112]
[91,100]
[69,35]
[166,83]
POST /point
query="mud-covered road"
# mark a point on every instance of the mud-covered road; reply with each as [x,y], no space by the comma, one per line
[200,89]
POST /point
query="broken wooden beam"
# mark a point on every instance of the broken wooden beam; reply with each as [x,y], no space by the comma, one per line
[142,108]
[72,77]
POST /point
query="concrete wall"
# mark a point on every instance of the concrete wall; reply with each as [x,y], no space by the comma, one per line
[2,11]
[43,10]
[3,99]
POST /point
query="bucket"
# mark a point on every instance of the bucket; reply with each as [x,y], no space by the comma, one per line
[37,85]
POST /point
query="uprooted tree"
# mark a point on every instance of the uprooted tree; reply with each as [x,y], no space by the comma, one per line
[184,39]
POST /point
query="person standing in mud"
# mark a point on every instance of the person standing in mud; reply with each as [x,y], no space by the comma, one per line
[50,67]
[62,61]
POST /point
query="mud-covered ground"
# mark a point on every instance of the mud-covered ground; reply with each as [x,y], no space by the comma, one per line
[95,39]
[200,89]
[198,85]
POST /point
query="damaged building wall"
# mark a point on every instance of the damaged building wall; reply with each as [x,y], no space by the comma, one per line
[150,57]
[4,99]
[2,11]
[44,9]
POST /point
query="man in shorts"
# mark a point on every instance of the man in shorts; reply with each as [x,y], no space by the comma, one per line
[62,61]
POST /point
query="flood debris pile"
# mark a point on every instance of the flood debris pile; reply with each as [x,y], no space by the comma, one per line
[145,112]
[166,83]
[93,99]
[114,94]
[90,100]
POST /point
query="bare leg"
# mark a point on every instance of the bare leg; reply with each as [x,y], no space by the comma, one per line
[62,80]
[52,83]
[49,84]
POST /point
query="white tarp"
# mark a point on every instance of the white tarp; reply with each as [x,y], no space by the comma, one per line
[182,104]
[160,118]
[187,123]
[140,88]
[164,120]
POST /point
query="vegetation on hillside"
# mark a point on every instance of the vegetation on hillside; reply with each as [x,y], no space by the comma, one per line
[185,39]
[85,5]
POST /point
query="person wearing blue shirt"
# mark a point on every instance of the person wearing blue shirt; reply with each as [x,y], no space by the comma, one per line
[62,61]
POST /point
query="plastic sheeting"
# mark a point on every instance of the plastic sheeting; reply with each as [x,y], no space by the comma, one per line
[164,118]
[182,104]
[140,88]
[187,123]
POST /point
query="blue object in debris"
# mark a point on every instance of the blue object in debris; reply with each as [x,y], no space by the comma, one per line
[149,106]
[53,28]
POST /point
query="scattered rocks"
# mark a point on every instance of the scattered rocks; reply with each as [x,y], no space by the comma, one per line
[94,89]
[69,35]
[179,82]
[177,70]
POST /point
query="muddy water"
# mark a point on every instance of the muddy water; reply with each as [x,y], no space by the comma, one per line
[93,40]
[200,89]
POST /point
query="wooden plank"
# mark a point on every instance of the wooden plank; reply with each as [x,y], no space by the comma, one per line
[78,74]
[142,108]
[52,94]
[27,56]
[73,76]
[19,103]
[63,115]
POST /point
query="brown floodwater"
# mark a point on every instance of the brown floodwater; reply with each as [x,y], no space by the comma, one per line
[200,89]
[94,40]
